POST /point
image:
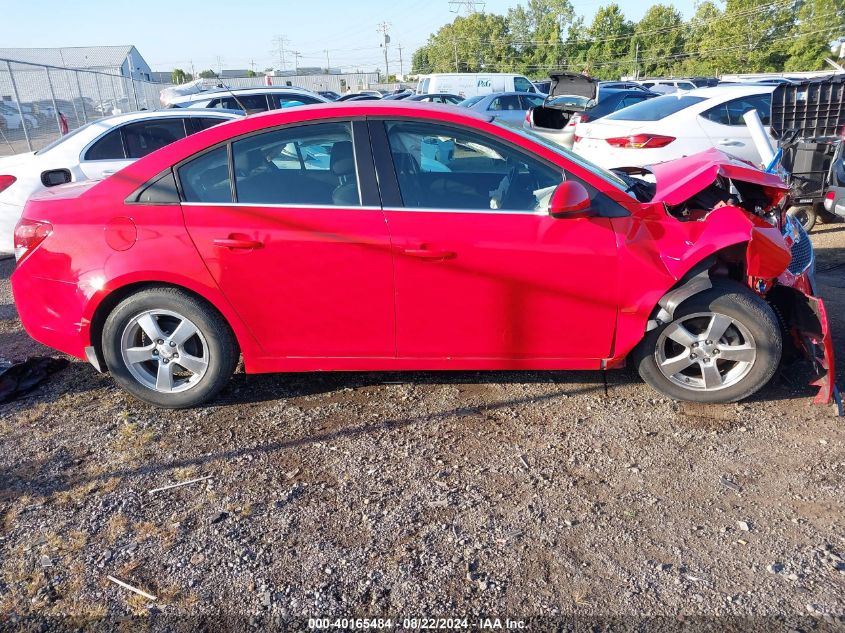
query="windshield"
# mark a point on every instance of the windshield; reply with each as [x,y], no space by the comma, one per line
[594,169]
[655,109]
[466,103]
[62,139]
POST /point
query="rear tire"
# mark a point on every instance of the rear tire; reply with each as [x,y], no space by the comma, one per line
[723,345]
[168,348]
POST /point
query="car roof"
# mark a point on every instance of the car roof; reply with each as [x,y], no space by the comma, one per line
[214,92]
[116,119]
[730,90]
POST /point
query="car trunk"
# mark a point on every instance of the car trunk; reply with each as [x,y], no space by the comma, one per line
[551,117]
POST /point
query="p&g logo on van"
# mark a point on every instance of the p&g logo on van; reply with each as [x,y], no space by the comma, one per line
[484,83]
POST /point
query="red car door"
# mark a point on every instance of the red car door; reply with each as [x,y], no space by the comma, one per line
[300,252]
[484,276]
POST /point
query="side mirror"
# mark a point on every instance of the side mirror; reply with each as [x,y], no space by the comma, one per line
[570,200]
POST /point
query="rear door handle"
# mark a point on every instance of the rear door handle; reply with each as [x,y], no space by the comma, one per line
[237,243]
[429,254]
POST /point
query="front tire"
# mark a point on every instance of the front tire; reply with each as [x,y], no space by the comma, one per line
[168,348]
[723,345]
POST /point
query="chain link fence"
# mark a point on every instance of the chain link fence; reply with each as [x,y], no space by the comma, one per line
[38,104]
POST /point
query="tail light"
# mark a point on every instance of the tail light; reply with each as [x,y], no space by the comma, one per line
[578,118]
[575,138]
[828,201]
[28,235]
[6,182]
[641,141]
[529,118]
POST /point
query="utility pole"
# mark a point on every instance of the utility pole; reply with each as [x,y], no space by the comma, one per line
[328,65]
[637,61]
[252,65]
[219,66]
[383,28]
[280,41]
[401,65]
[470,6]
[296,56]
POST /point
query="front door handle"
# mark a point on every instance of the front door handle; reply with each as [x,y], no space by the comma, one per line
[730,142]
[428,254]
[235,242]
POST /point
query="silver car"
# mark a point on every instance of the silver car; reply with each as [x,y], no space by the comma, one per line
[507,107]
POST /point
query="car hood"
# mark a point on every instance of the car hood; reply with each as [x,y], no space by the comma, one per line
[573,84]
[678,180]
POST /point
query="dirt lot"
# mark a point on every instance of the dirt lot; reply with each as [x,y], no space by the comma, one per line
[530,495]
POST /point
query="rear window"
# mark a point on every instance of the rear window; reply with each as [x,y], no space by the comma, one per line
[466,103]
[655,109]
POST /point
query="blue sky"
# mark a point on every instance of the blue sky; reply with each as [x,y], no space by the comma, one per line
[176,32]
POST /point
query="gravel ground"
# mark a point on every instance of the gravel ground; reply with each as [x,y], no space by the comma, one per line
[549,496]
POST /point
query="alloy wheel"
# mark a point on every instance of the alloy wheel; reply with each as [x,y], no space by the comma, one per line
[705,351]
[164,351]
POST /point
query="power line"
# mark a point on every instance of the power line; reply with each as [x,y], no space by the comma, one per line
[469,6]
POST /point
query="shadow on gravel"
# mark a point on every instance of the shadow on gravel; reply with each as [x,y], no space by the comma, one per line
[255,388]
[44,477]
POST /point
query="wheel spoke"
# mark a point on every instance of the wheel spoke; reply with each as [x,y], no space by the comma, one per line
[148,323]
[719,324]
[164,377]
[738,353]
[183,332]
[681,335]
[136,355]
[711,375]
[672,366]
[193,364]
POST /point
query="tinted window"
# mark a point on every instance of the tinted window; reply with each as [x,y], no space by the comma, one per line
[440,167]
[521,84]
[198,124]
[508,102]
[730,113]
[309,164]
[451,99]
[145,137]
[288,101]
[655,109]
[109,147]
[624,102]
[531,100]
[206,178]
[247,103]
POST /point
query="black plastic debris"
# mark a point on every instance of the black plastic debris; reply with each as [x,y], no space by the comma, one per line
[19,378]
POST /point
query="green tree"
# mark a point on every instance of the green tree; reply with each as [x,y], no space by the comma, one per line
[819,23]
[251,73]
[179,76]
[750,36]
[474,43]
[701,34]
[208,74]
[538,29]
[659,41]
[609,47]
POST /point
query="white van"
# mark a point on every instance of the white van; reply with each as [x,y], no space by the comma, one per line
[472,84]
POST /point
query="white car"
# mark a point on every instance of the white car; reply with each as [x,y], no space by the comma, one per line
[676,125]
[249,100]
[12,118]
[92,152]
[667,86]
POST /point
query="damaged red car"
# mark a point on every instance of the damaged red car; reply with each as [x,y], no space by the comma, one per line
[392,236]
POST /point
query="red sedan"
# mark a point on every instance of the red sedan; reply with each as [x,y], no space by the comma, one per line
[388,235]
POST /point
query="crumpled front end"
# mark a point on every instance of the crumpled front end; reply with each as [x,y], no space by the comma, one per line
[803,313]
